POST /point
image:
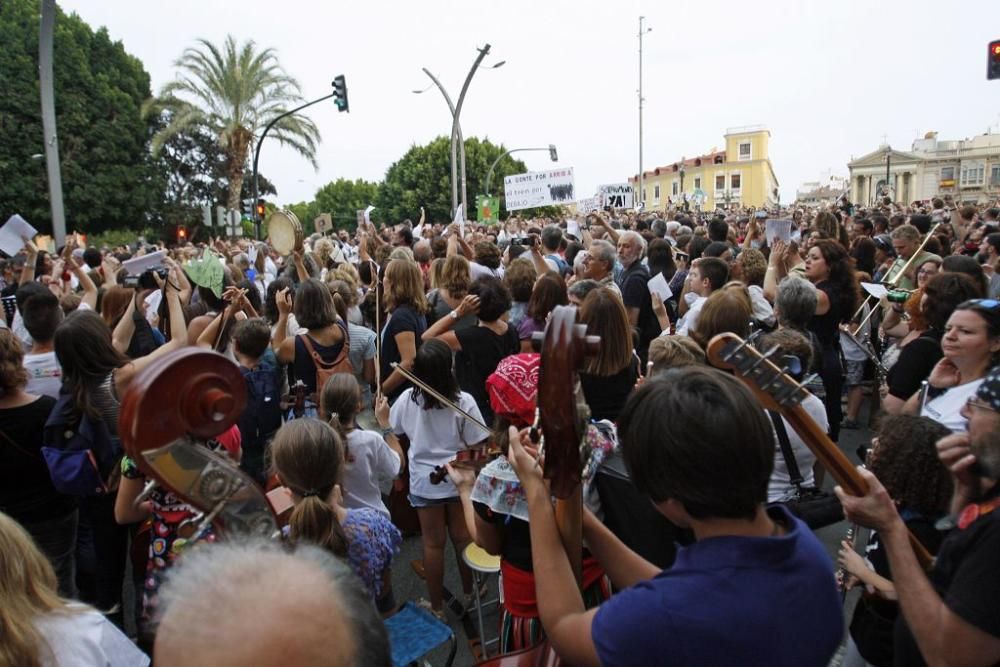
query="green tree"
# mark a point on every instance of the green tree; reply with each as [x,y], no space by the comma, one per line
[343,198]
[234,92]
[422,177]
[109,179]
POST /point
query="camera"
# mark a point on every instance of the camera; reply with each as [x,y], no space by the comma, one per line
[145,279]
[528,241]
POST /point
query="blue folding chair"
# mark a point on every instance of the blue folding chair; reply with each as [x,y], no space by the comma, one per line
[414,632]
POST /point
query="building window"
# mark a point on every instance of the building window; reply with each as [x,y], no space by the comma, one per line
[995,175]
[973,174]
[675,188]
[734,181]
[697,183]
[744,150]
[656,193]
[947,173]
[720,182]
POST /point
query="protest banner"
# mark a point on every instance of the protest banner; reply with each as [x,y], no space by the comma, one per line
[617,195]
[589,205]
[539,188]
[324,223]
[488,208]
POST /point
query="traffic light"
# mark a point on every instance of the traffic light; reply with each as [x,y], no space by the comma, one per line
[182,234]
[248,208]
[260,209]
[993,64]
[553,153]
[340,93]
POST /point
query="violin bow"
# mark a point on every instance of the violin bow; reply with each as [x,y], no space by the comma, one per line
[444,401]
[378,333]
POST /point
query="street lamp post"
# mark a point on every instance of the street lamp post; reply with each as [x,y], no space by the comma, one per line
[456,129]
[641,33]
[45,80]
[489,174]
[256,154]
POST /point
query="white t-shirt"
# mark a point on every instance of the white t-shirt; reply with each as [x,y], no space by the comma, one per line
[945,408]
[87,639]
[44,374]
[435,437]
[369,460]
[477,270]
[779,487]
[689,322]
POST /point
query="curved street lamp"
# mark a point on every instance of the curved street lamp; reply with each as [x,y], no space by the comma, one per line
[457,140]
[551,148]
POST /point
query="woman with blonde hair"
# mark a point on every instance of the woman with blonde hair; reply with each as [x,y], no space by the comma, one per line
[308,458]
[452,286]
[608,378]
[403,298]
[41,628]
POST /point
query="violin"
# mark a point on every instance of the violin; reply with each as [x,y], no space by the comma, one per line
[168,439]
[473,457]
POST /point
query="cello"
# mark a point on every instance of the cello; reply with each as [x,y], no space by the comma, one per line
[561,422]
[168,440]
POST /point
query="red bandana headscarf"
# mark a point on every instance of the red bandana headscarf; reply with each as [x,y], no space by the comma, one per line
[513,388]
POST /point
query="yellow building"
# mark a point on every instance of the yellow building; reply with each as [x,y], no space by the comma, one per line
[740,175]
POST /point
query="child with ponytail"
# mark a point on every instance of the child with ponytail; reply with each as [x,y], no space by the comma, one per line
[308,458]
[370,458]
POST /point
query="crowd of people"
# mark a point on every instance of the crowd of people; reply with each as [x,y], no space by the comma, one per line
[373,357]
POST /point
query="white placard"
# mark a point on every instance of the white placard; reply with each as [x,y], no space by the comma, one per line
[876,290]
[658,285]
[139,265]
[573,227]
[777,229]
[617,195]
[589,205]
[15,233]
[539,188]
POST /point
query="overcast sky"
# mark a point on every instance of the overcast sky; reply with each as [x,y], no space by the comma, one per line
[829,80]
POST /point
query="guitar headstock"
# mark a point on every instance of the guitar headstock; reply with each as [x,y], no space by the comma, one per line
[772,384]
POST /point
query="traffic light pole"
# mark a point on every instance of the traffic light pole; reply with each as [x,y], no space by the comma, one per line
[256,154]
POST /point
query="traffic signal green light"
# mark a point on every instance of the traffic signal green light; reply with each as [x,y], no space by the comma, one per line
[340,93]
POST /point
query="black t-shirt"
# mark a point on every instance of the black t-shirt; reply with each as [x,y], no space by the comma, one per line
[966,576]
[303,366]
[874,617]
[827,326]
[606,394]
[26,491]
[516,548]
[634,285]
[481,351]
[915,363]
[404,319]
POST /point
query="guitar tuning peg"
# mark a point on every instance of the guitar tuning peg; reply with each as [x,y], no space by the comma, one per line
[763,358]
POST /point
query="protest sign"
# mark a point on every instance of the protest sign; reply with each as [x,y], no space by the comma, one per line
[539,188]
[777,229]
[488,208]
[324,223]
[589,205]
[14,234]
[617,195]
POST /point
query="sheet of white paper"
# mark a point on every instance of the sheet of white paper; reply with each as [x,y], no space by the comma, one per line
[659,285]
[252,253]
[368,213]
[573,227]
[15,232]
[459,219]
[778,229]
[876,290]
[139,265]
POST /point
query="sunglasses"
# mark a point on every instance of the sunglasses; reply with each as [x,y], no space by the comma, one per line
[990,305]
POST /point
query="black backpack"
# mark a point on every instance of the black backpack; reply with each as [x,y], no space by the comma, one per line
[261,417]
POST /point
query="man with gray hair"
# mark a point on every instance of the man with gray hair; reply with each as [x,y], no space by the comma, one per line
[905,241]
[256,603]
[599,265]
[634,286]
[659,228]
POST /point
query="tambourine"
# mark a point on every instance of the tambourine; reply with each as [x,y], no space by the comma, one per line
[285,232]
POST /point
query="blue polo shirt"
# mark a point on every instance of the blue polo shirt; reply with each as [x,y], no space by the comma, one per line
[730,601]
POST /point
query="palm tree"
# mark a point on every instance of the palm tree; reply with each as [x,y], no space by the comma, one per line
[234,92]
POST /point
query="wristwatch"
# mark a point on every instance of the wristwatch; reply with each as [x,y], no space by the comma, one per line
[454,314]
[386,431]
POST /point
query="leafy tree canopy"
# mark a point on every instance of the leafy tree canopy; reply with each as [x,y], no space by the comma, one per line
[109,180]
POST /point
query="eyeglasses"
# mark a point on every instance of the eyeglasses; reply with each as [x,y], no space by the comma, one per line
[974,402]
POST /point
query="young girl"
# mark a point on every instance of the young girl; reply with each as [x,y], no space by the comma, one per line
[436,434]
[370,459]
[308,457]
[904,458]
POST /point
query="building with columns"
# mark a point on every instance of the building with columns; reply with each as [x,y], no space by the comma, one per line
[968,170]
[740,175]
